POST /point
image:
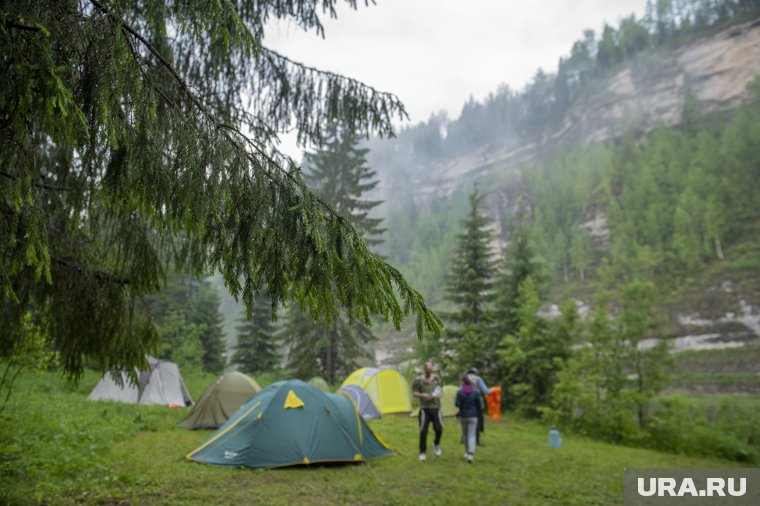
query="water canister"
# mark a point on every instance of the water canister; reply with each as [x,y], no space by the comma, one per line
[555,438]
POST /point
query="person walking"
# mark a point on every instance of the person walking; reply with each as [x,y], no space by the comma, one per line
[482,389]
[468,402]
[428,388]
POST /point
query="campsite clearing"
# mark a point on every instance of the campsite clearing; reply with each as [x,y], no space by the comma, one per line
[56,447]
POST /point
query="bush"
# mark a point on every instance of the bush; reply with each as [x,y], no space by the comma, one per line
[677,425]
[681,427]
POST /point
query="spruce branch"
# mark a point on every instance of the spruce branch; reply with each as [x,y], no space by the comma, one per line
[382,301]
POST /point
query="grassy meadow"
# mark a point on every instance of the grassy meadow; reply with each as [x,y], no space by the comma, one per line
[58,448]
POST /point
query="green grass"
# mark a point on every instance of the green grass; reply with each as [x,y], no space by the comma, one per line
[58,448]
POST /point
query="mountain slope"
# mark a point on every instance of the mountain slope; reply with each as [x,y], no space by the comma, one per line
[641,93]
[657,137]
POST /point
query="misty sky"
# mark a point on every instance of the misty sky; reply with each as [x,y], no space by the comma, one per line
[434,54]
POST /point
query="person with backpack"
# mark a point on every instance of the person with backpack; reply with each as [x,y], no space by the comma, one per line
[468,402]
[482,389]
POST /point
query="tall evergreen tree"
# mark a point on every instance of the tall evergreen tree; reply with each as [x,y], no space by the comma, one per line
[197,302]
[530,358]
[581,251]
[181,340]
[520,262]
[647,365]
[256,349]
[466,342]
[141,134]
[206,311]
[339,174]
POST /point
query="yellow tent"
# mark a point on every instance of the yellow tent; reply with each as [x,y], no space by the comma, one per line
[388,390]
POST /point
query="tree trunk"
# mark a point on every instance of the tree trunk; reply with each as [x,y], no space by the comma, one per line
[328,358]
[640,382]
[718,248]
[332,353]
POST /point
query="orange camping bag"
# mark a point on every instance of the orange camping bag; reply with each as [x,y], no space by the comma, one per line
[494,403]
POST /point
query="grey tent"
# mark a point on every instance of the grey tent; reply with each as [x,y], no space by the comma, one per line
[161,384]
[361,400]
[220,401]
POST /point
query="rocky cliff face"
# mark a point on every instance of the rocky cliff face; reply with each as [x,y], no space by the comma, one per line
[650,90]
[653,89]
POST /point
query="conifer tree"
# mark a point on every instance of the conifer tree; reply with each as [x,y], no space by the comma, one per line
[143,134]
[197,302]
[468,289]
[638,320]
[581,251]
[181,340]
[520,262]
[256,349]
[206,311]
[339,174]
[530,358]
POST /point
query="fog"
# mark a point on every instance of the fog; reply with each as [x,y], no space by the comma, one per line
[434,54]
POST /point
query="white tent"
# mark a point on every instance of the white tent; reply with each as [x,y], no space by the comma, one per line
[160,384]
[108,390]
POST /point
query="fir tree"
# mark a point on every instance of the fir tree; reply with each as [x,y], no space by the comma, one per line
[142,134]
[637,321]
[256,349]
[530,358]
[205,311]
[468,289]
[520,262]
[181,340]
[199,303]
[581,251]
[339,174]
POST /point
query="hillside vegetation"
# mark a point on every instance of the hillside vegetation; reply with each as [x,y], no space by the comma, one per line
[674,205]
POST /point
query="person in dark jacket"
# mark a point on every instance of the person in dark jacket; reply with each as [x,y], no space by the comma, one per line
[467,401]
[482,389]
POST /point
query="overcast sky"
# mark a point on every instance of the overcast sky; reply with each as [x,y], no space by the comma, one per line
[434,54]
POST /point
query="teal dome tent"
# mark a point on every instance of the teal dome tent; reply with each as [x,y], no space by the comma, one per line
[290,423]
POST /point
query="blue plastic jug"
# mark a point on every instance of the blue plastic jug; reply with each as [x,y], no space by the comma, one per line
[555,438]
